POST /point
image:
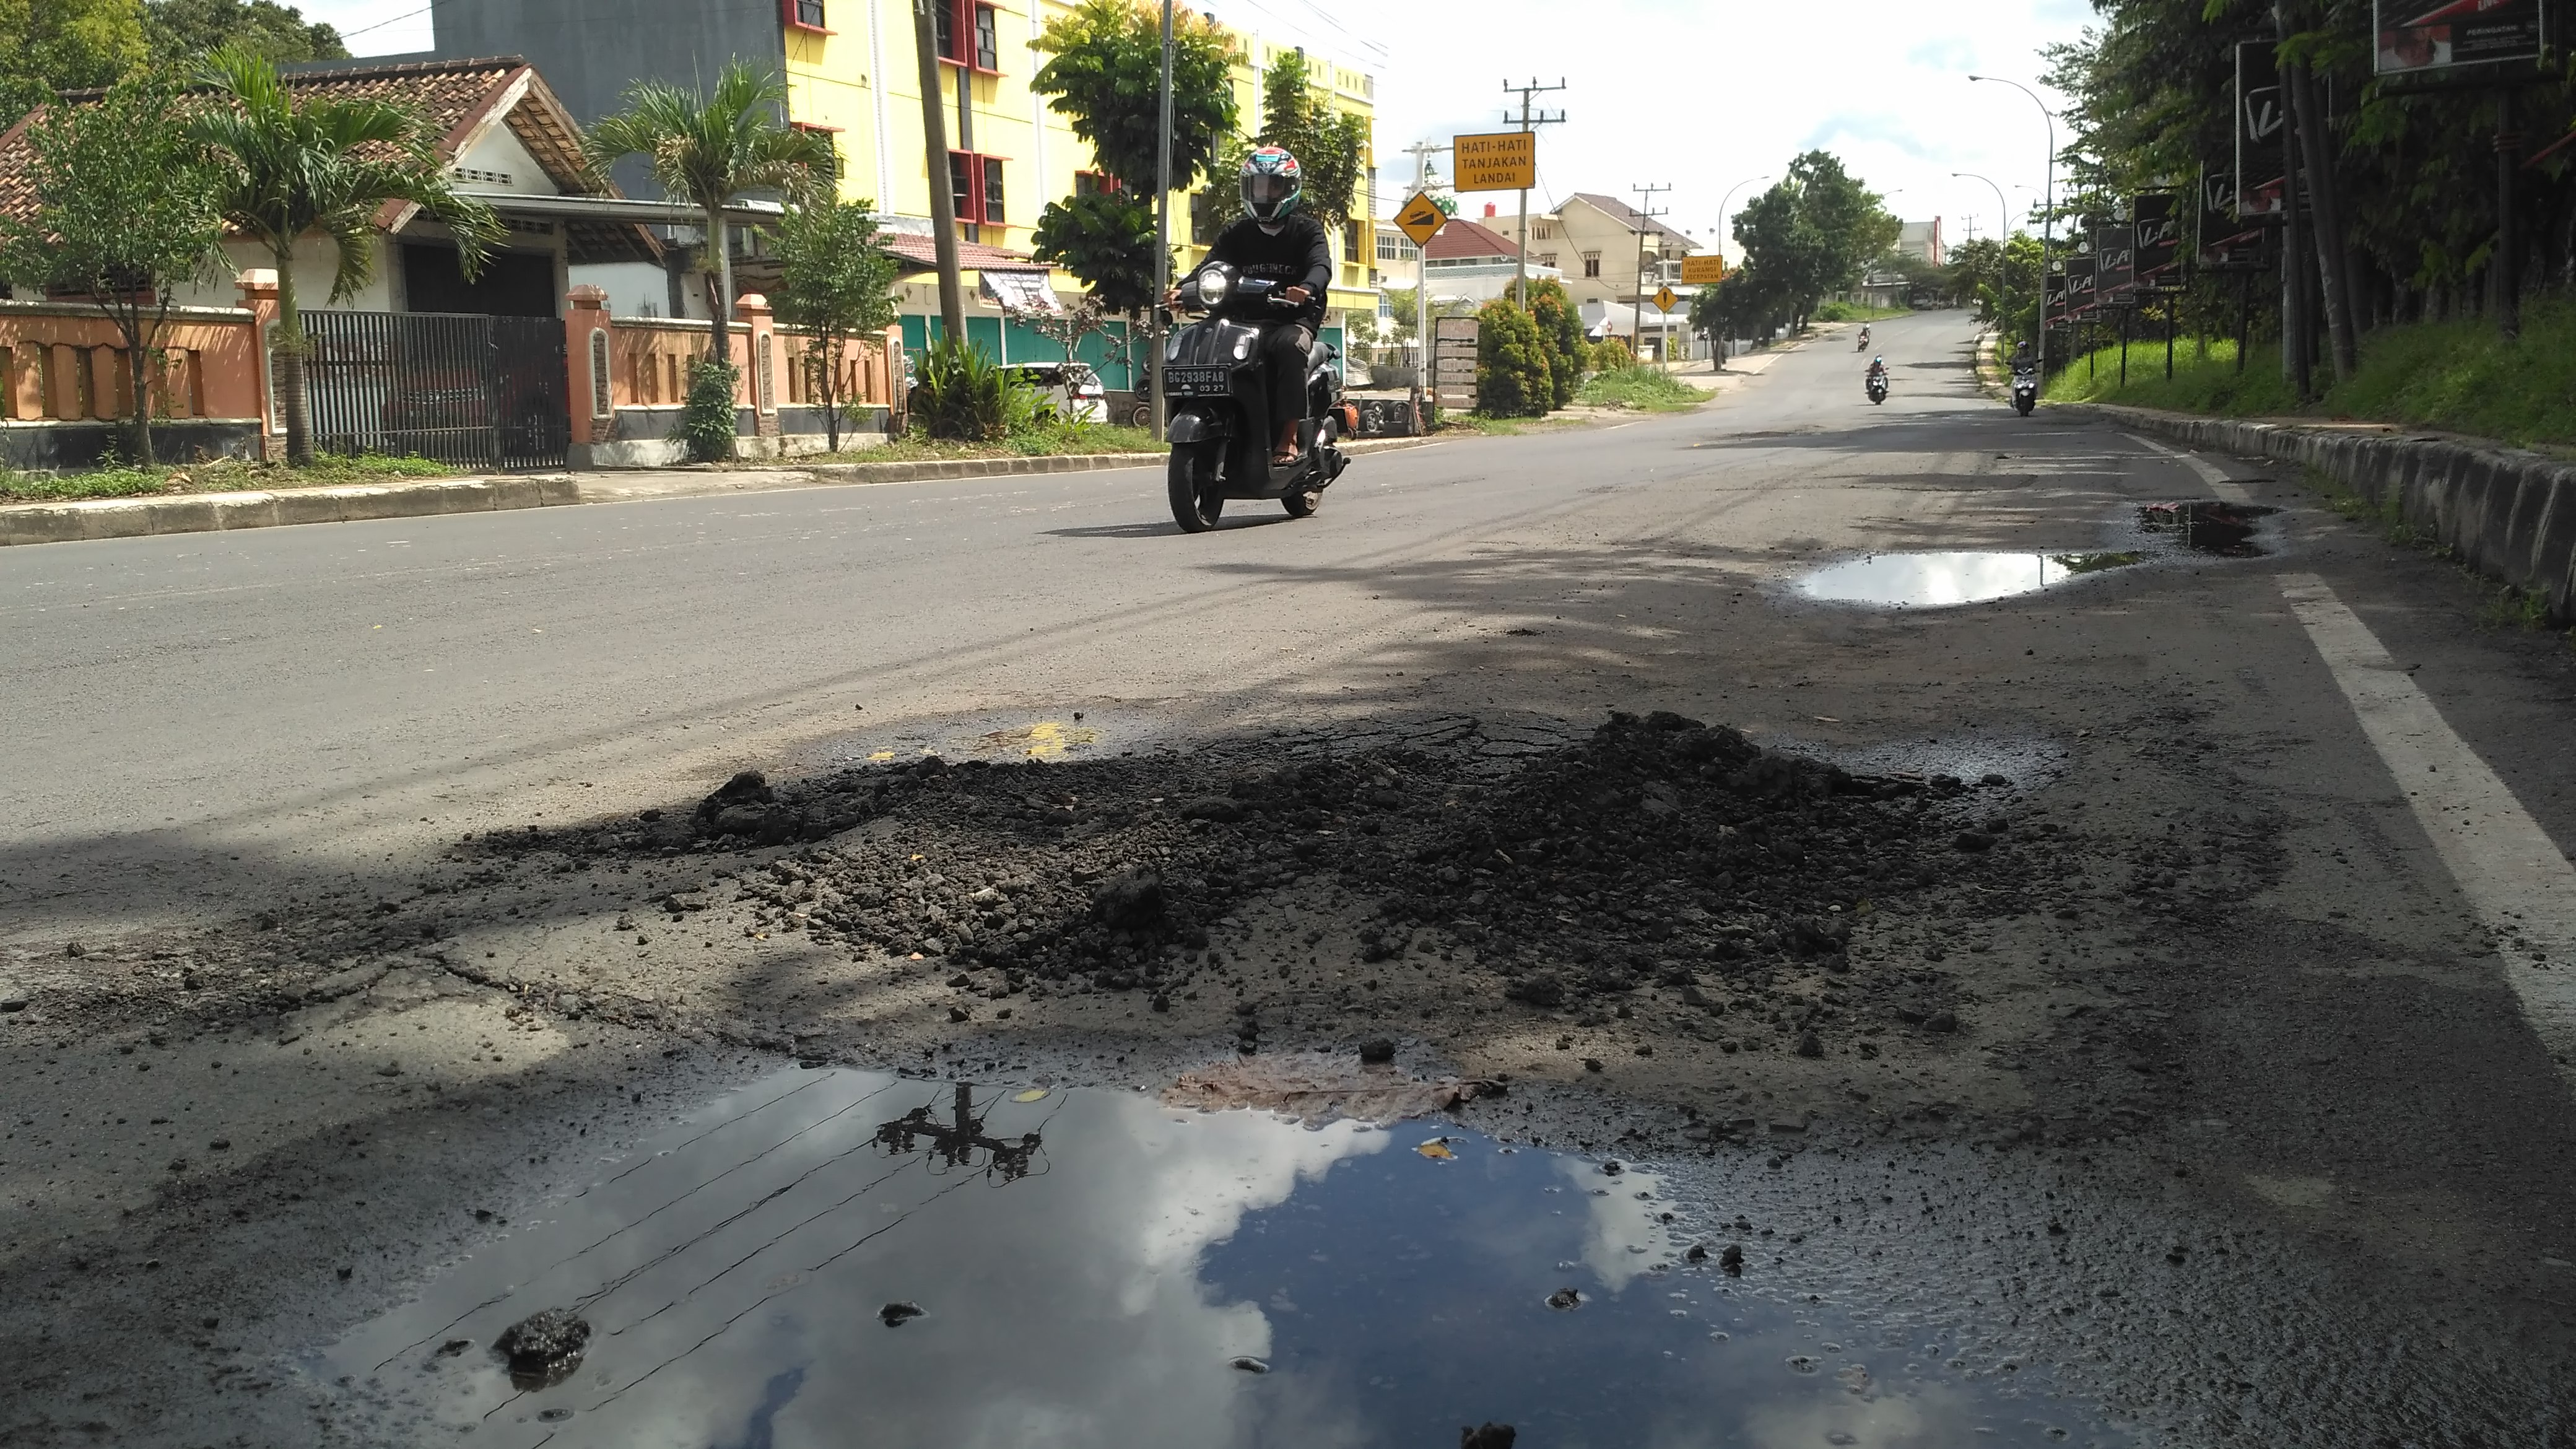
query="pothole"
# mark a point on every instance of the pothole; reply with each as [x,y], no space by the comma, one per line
[834,1248]
[1949,578]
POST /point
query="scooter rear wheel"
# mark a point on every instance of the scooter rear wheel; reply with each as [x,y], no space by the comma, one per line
[1197,501]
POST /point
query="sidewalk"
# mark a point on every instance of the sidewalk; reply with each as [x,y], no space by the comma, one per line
[103,518]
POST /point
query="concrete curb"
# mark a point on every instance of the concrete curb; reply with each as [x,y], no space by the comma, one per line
[2508,513]
[105,518]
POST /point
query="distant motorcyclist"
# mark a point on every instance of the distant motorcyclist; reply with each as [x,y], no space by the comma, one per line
[1877,369]
[2022,361]
[1277,241]
[1864,338]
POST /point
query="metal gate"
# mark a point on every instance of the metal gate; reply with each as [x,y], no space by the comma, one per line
[463,388]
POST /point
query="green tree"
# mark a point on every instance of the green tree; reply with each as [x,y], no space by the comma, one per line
[837,284]
[1105,76]
[1107,240]
[59,45]
[1560,337]
[186,29]
[1814,231]
[1511,366]
[708,150]
[1330,145]
[289,167]
[124,213]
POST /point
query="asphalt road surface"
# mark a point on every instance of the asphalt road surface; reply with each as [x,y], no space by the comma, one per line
[2298,984]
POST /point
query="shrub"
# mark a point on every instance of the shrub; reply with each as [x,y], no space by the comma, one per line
[1511,366]
[709,417]
[959,392]
[1560,335]
[1836,312]
[1611,354]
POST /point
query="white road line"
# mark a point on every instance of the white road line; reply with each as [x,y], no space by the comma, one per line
[2513,876]
[2227,489]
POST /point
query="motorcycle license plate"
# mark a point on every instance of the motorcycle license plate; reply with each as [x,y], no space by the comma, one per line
[1194,380]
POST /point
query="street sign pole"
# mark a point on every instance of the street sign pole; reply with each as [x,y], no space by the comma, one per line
[1646,215]
[1420,219]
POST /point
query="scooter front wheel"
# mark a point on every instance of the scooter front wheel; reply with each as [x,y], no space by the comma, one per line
[1301,502]
[1197,500]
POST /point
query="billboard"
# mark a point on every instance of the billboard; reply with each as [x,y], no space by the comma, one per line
[2226,244]
[2080,294]
[2159,237]
[2417,37]
[2115,272]
[2259,119]
[2056,296]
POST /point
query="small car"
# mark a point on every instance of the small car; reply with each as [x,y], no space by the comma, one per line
[1071,388]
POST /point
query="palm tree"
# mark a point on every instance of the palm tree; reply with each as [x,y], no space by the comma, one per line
[707,150]
[323,166]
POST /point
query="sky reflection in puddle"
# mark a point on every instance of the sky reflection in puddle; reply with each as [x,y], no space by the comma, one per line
[1091,1265]
[1938,580]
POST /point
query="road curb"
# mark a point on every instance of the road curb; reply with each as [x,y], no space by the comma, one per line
[90,519]
[2507,512]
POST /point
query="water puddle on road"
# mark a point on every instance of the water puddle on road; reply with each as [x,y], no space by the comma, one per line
[1099,1268]
[1937,580]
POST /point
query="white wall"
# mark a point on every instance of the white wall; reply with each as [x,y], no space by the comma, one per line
[315,263]
[641,289]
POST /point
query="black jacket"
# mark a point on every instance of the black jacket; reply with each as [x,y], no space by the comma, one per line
[1298,256]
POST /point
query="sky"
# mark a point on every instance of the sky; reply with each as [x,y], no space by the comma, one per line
[1697,95]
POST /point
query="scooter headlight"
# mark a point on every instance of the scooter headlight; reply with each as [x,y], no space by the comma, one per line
[1213,286]
[1242,347]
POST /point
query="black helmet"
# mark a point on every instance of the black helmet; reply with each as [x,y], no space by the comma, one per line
[1271,185]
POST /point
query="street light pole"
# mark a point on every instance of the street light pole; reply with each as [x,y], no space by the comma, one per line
[2003,238]
[1725,229]
[1162,236]
[2048,210]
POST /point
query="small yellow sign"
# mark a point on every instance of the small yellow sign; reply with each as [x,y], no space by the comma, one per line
[1421,219]
[1499,161]
[1704,271]
[1665,299]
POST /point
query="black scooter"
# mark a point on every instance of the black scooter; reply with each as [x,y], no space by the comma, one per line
[1876,385]
[1221,430]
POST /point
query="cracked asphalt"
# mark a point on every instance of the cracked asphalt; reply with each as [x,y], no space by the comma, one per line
[363,882]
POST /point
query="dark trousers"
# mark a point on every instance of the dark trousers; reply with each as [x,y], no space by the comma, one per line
[1283,354]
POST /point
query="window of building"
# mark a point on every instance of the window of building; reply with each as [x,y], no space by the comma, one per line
[975,186]
[1350,241]
[1394,247]
[1095,183]
[1592,264]
[831,136]
[958,23]
[1547,259]
[805,14]
[1544,231]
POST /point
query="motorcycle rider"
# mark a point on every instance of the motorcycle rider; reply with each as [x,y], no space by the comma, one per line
[2022,361]
[1864,338]
[1278,241]
[1877,371]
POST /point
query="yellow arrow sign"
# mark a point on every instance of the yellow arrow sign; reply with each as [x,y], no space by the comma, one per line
[1421,219]
[1665,299]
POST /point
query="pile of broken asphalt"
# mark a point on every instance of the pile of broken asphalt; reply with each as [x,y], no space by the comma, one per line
[1661,908]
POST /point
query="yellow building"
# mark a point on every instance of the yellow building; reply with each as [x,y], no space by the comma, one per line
[1009,154]
[851,70]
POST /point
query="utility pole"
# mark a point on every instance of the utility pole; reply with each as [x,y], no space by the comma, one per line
[2047,212]
[943,204]
[1162,238]
[1421,152]
[1646,215]
[1527,119]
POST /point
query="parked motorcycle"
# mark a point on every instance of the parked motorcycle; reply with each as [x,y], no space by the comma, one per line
[1877,387]
[1221,430]
[2025,389]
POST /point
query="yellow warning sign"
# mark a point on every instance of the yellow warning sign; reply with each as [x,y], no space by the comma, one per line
[1499,161]
[1703,271]
[1421,219]
[1665,299]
